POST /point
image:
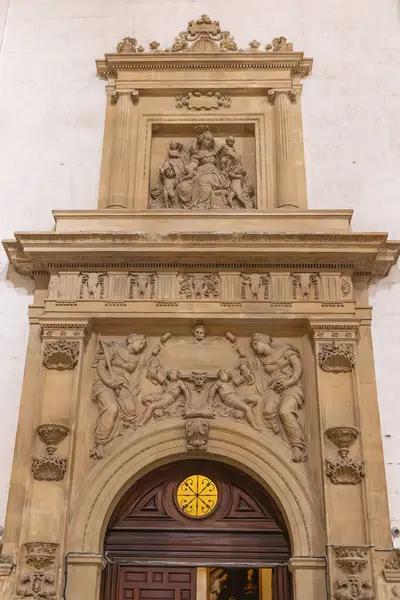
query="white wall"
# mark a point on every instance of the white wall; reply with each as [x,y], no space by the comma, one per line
[51,127]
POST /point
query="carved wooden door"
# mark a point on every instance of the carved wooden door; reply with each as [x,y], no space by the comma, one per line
[156,583]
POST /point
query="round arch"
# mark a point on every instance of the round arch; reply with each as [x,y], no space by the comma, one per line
[287,483]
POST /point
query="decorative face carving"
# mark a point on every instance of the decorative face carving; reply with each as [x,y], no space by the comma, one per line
[199,332]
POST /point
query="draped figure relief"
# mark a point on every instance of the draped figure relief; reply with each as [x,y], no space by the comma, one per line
[196,378]
[205,176]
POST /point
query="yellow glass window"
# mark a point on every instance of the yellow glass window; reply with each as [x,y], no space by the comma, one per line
[197,496]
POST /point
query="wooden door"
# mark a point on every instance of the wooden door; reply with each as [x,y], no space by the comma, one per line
[156,583]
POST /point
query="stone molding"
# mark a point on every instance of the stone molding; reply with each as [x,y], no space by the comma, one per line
[306,563]
[63,329]
[86,559]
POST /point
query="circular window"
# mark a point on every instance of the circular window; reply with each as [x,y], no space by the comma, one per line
[197,496]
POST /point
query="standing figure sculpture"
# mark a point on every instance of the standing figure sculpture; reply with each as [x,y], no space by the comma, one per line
[280,371]
[224,389]
[117,384]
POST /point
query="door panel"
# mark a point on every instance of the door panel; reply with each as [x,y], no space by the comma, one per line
[157,583]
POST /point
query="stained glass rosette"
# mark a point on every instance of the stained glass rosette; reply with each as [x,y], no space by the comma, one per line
[197,496]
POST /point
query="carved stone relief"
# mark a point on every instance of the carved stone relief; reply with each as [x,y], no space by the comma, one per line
[246,286]
[60,354]
[344,470]
[353,561]
[255,382]
[199,286]
[204,35]
[204,176]
[391,567]
[40,555]
[200,101]
[50,468]
[37,585]
[336,358]
[396,592]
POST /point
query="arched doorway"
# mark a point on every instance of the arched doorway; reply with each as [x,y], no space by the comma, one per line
[200,530]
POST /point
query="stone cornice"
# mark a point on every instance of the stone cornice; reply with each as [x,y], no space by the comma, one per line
[361,253]
[293,62]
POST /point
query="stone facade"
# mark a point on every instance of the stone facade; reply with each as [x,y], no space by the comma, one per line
[265,330]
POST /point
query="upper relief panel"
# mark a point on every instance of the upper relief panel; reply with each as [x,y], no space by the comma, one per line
[204,124]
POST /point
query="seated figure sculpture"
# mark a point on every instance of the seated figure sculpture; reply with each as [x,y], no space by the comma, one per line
[205,177]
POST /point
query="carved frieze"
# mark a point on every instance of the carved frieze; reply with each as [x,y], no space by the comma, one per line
[206,176]
[336,358]
[256,382]
[273,286]
[60,354]
[40,555]
[201,101]
[39,585]
[344,469]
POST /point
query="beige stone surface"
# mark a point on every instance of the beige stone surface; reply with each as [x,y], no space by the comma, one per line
[243,334]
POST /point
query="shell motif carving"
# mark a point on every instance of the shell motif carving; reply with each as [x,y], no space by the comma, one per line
[60,354]
[336,358]
[344,469]
[49,468]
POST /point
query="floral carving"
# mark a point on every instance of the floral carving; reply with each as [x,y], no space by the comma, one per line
[199,286]
[336,358]
[40,555]
[280,44]
[207,101]
[351,559]
[60,354]
[49,468]
[393,562]
[51,435]
[205,176]
[37,586]
[129,45]
[344,470]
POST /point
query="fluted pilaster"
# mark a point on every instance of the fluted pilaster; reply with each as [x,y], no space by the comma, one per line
[286,187]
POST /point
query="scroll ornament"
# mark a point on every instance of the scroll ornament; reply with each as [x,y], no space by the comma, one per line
[344,470]
[336,358]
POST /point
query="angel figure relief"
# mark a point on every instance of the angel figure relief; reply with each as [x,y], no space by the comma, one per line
[174,391]
[206,176]
[278,373]
[117,385]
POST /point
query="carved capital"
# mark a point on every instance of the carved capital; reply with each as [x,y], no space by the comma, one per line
[65,329]
[40,555]
[60,354]
[289,93]
[48,468]
[132,95]
[336,358]
[391,566]
[346,332]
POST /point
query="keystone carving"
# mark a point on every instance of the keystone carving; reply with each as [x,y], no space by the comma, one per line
[197,427]
[40,555]
[37,586]
[48,468]
[60,354]
[51,435]
[344,470]
[207,101]
[336,358]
